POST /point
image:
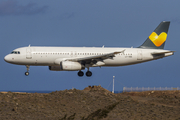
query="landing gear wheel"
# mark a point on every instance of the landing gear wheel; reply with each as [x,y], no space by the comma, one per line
[88,73]
[80,73]
[26,73]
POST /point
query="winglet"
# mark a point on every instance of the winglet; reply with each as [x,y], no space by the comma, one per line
[120,52]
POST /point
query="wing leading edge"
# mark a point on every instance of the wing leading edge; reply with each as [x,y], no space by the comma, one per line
[95,59]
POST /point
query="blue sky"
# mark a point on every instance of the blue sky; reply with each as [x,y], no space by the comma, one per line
[115,23]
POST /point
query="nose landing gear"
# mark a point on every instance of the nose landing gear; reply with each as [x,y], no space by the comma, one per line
[27,73]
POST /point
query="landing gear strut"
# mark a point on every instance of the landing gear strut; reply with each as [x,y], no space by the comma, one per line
[27,73]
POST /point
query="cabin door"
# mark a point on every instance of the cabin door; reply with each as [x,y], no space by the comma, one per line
[28,53]
[139,55]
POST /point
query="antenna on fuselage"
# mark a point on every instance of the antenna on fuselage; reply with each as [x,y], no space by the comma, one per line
[103,46]
[29,45]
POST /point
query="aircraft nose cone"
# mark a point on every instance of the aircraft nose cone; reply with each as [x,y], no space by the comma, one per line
[7,58]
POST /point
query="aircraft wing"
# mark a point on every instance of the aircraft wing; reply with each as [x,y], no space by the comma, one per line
[96,57]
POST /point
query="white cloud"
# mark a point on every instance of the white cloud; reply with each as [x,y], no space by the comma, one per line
[11,7]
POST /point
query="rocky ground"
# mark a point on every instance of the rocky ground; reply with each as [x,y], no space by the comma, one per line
[92,103]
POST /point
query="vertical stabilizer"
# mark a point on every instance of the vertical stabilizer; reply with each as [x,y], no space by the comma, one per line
[158,37]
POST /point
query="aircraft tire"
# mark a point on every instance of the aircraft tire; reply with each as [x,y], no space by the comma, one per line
[26,73]
[88,73]
[80,73]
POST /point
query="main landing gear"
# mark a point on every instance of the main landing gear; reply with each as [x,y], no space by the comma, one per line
[80,73]
[27,73]
[88,73]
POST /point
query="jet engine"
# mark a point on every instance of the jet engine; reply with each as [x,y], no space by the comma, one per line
[67,66]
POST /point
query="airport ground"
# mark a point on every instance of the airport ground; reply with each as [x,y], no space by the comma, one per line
[92,103]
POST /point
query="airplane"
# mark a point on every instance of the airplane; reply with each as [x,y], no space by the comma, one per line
[79,58]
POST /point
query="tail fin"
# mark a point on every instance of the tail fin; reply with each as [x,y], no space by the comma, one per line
[157,38]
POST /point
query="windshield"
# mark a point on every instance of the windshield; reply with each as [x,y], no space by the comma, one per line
[15,52]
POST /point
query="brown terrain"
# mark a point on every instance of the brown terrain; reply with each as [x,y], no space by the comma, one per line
[92,103]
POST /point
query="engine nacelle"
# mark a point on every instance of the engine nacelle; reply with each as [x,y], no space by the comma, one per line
[71,66]
[55,68]
[67,66]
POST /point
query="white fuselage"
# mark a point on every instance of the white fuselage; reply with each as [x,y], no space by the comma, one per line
[79,58]
[51,56]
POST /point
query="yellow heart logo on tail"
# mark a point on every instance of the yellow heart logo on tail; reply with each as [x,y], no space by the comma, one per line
[158,40]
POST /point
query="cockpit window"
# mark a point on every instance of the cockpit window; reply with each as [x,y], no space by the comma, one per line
[15,52]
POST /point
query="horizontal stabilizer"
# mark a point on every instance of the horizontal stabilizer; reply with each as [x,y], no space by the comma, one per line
[158,53]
